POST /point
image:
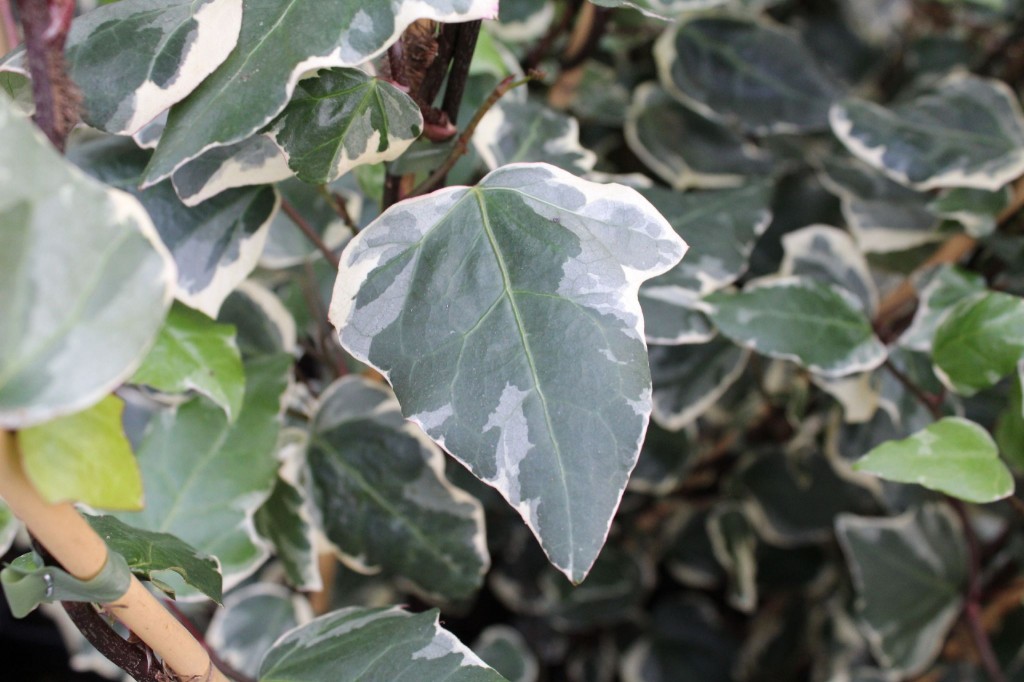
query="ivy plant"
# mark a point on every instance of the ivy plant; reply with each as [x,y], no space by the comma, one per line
[460,340]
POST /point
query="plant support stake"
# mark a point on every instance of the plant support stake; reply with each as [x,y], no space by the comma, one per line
[82,553]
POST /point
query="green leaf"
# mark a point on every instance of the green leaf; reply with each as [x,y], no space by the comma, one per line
[374,644]
[686,149]
[174,45]
[205,477]
[194,352]
[379,490]
[691,378]
[285,521]
[149,554]
[1009,431]
[280,41]
[938,293]
[909,572]
[744,72]
[216,245]
[954,456]
[966,132]
[344,118]
[797,319]
[980,342]
[83,457]
[506,318]
[68,340]
[523,129]
[252,619]
[722,228]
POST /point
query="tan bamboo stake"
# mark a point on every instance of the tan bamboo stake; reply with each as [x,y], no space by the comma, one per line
[82,553]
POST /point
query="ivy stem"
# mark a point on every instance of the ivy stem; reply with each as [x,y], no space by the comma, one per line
[462,56]
[972,600]
[337,204]
[135,659]
[77,547]
[46,26]
[931,402]
[310,233]
[462,143]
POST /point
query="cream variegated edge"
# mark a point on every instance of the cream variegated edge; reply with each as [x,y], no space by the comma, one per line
[841,251]
[676,420]
[360,258]
[257,160]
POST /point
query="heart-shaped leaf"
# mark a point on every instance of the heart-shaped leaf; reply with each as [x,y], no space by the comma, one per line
[505,316]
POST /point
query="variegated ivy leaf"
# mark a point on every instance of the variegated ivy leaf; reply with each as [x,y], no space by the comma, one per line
[285,520]
[686,149]
[205,477]
[280,42]
[953,455]
[192,352]
[602,95]
[505,316]
[828,254]
[882,215]
[938,293]
[522,21]
[966,132]
[216,245]
[745,72]
[980,342]
[977,210]
[877,22]
[151,554]
[344,118]
[375,644]
[253,618]
[507,651]
[908,572]
[68,340]
[174,46]
[722,227]
[794,318]
[734,543]
[264,326]
[381,497]
[691,378]
[256,160]
[859,395]
[526,130]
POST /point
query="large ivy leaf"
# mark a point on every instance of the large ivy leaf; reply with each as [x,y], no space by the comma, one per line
[793,318]
[205,477]
[505,316]
[80,311]
[194,352]
[722,228]
[745,72]
[135,58]
[83,457]
[526,130]
[344,118]
[938,293]
[149,554]
[379,490]
[686,149]
[691,378]
[967,132]
[980,342]
[216,245]
[280,42]
[373,644]
[909,573]
[953,455]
